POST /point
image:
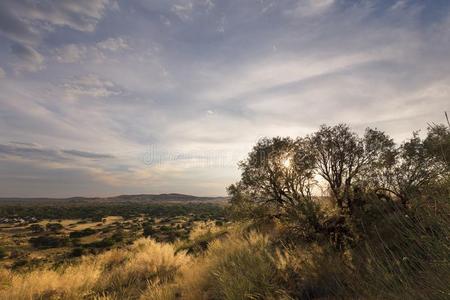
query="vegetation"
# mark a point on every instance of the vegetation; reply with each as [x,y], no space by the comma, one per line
[332,215]
[96,211]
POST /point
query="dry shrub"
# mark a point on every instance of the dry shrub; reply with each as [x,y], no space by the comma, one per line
[200,237]
[147,261]
[237,267]
[203,229]
[71,283]
[158,291]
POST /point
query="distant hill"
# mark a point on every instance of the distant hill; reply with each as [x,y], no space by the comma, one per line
[140,198]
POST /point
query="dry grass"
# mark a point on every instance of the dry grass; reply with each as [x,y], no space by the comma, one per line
[116,274]
[245,264]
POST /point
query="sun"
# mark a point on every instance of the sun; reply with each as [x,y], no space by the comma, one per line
[287,162]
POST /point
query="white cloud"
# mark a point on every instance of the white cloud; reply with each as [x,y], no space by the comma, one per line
[113,44]
[310,8]
[75,53]
[220,77]
[400,4]
[90,86]
[70,53]
[82,15]
[266,74]
[24,21]
[2,73]
[183,10]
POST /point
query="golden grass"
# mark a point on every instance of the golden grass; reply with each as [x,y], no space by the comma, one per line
[116,274]
[236,265]
[245,264]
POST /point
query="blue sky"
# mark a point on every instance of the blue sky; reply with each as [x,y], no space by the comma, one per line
[104,97]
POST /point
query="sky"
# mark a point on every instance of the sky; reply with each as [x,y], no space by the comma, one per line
[105,97]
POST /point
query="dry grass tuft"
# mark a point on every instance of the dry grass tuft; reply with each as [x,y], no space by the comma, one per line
[116,274]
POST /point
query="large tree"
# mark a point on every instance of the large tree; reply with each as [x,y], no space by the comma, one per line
[343,158]
[278,176]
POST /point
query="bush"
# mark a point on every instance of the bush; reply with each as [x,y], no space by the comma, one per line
[54,227]
[82,233]
[165,228]
[104,243]
[118,236]
[48,241]
[76,252]
[36,228]
[3,253]
[148,231]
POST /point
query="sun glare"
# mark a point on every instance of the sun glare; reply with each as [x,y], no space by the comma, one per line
[287,162]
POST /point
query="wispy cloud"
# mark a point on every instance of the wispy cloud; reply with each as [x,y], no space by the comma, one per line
[32,151]
[98,83]
[24,24]
[90,86]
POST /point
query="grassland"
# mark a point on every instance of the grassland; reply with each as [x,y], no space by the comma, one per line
[30,240]
[233,260]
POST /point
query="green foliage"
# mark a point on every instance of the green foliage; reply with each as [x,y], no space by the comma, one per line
[437,143]
[279,175]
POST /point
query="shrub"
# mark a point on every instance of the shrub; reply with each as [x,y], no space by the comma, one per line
[103,243]
[48,241]
[118,236]
[3,253]
[82,233]
[148,230]
[36,228]
[76,252]
[54,227]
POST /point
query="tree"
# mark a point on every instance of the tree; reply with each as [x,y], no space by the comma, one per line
[342,158]
[418,166]
[437,143]
[362,173]
[277,181]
